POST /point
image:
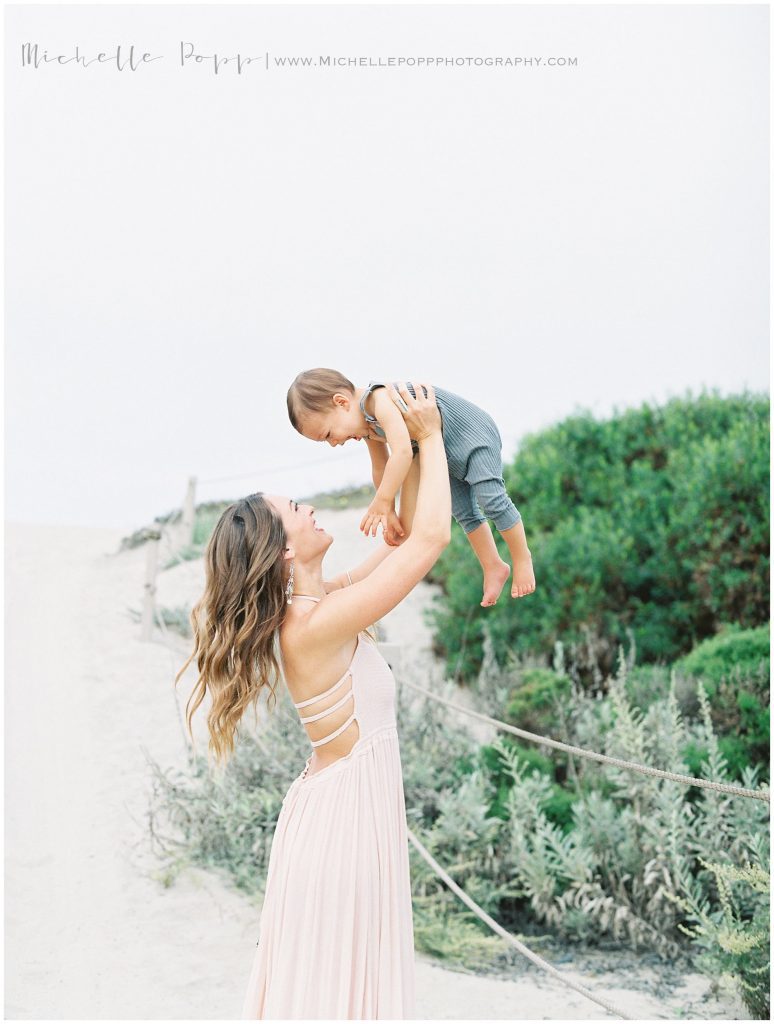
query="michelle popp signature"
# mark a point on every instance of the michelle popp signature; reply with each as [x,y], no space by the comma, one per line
[132,58]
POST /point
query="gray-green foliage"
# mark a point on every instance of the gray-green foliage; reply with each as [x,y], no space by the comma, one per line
[345,497]
[188,553]
[649,839]
[140,537]
[177,619]
[735,937]
[734,667]
[634,848]
[447,807]
[225,819]
[207,514]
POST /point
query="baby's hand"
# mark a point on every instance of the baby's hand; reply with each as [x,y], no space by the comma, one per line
[380,513]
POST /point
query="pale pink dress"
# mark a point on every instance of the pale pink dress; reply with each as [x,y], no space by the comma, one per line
[336,935]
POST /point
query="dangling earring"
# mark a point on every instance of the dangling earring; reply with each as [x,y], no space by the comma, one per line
[289,587]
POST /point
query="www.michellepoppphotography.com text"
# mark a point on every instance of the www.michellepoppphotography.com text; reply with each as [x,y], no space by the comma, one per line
[133,58]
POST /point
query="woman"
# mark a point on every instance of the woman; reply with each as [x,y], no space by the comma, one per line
[336,935]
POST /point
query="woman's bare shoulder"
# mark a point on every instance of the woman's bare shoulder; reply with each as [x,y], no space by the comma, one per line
[309,659]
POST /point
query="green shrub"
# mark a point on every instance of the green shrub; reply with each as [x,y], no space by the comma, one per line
[346,497]
[719,523]
[735,939]
[533,702]
[188,553]
[177,619]
[638,852]
[647,529]
[733,651]
[206,516]
[734,668]
[140,537]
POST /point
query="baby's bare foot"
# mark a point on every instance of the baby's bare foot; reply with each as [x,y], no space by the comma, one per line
[523,578]
[494,581]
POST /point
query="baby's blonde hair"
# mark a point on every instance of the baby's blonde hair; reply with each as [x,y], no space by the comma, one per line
[312,391]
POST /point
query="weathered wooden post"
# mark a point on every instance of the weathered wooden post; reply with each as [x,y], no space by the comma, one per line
[149,598]
[189,512]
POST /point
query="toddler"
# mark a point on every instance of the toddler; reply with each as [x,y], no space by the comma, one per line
[324,405]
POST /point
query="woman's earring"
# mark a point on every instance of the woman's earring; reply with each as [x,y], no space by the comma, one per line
[289,587]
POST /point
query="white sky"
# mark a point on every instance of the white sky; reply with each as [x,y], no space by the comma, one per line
[181,244]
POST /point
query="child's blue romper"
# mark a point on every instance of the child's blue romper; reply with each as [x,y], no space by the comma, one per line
[474,454]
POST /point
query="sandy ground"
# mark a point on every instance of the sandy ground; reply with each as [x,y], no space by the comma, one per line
[89,932]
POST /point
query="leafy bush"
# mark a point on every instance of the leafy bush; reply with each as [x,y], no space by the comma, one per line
[635,856]
[205,517]
[735,668]
[650,528]
[533,701]
[732,652]
[345,497]
[187,553]
[735,940]
[177,619]
[224,819]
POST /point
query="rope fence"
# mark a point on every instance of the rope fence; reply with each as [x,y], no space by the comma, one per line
[687,780]
[499,930]
[151,613]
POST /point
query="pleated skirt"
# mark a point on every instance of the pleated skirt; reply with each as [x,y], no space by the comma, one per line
[336,937]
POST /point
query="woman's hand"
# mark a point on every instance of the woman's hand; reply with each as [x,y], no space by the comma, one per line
[382,514]
[421,413]
[395,533]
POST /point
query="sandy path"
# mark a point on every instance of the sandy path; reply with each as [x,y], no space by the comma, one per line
[88,933]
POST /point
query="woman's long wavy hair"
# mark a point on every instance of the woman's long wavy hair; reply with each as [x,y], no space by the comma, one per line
[235,623]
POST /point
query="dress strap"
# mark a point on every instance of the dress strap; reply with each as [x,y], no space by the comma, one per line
[337,732]
[328,711]
[307,597]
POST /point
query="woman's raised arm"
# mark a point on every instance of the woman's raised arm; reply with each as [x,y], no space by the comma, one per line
[360,571]
[344,613]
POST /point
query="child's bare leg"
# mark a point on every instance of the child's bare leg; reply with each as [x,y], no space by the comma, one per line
[479,534]
[495,503]
[496,571]
[523,574]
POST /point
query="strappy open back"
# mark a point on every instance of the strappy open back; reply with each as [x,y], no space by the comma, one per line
[349,695]
[334,707]
[336,932]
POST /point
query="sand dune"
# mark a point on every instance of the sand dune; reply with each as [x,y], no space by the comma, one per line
[89,932]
